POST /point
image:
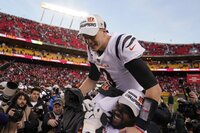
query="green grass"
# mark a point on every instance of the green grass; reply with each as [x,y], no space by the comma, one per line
[175,102]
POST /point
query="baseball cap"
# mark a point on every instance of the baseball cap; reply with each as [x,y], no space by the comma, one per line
[91,25]
[58,101]
[133,99]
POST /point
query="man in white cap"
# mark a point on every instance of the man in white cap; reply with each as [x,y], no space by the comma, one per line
[118,58]
[123,111]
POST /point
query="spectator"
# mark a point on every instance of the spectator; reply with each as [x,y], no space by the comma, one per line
[52,120]
[171,102]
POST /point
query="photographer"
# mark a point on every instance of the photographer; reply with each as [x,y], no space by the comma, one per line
[193,122]
[52,120]
[21,118]
[38,106]
[162,116]
[188,115]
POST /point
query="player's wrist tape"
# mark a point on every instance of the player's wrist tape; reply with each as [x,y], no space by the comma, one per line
[146,113]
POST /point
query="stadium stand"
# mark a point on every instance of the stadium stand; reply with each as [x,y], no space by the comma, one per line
[157,55]
[20,27]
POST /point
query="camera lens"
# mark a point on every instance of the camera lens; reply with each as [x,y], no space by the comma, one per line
[17,115]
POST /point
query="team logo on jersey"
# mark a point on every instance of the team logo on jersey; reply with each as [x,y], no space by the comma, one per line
[131,48]
[105,87]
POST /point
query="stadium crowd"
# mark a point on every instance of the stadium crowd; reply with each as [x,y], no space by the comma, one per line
[28,73]
[43,98]
[30,51]
[15,49]
[28,29]
[50,109]
[44,75]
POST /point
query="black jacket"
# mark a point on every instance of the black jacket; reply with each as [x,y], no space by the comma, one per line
[46,127]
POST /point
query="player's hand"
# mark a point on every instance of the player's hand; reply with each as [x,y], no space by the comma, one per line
[94,121]
[88,105]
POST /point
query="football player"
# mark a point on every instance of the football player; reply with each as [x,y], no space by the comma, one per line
[118,58]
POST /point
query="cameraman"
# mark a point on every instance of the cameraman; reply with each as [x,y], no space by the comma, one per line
[162,116]
[52,120]
[193,122]
[188,115]
[21,118]
[38,106]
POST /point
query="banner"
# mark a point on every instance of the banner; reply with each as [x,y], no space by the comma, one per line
[193,78]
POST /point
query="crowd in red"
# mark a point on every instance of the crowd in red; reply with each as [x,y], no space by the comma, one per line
[170,83]
[24,28]
[46,75]
[153,48]
[42,75]
[47,54]
[28,29]
[49,75]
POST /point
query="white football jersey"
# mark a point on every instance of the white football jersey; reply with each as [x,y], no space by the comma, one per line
[121,49]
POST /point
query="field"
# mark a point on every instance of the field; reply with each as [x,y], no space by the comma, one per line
[175,102]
